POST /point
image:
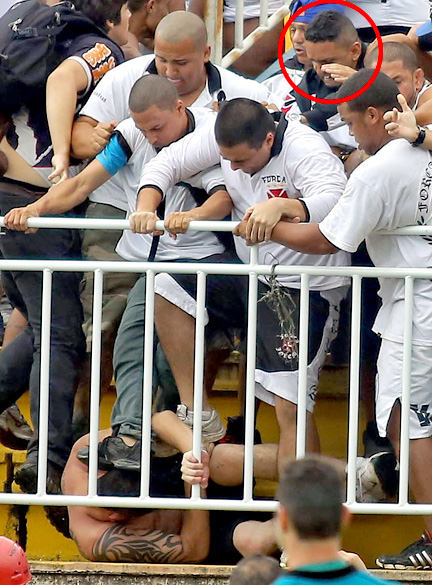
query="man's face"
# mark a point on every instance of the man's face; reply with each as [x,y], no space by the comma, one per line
[361,127]
[182,63]
[331,52]
[247,159]
[409,83]
[161,127]
[298,30]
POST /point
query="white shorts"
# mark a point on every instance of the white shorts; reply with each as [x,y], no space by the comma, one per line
[389,387]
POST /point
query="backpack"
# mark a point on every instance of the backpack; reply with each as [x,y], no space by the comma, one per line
[34,40]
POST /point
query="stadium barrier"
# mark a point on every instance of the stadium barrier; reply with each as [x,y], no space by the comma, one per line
[213,17]
[253,270]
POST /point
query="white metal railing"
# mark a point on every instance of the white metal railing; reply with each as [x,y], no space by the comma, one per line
[253,269]
[213,17]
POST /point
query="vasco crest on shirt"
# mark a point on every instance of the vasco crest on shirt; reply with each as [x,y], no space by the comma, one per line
[275,186]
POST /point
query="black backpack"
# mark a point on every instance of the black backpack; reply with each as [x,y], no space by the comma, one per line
[34,40]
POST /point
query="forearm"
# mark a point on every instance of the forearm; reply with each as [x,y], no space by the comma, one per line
[61,107]
[82,132]
[305,238]
[148,199]
[423,113]
[217,206]
[172,430]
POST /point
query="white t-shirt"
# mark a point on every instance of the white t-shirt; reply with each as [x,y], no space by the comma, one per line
[389,190]
[192,245]
[301,165]
[110,101]
[389,13]
[251,9]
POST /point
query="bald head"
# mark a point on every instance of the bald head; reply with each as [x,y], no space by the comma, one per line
[152,90]
[179,26]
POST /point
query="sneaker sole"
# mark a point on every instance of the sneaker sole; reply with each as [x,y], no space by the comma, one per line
[126,465]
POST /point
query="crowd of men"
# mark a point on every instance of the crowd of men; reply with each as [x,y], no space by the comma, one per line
[169,135]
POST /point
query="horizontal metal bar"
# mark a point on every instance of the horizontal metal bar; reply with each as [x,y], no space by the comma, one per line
[83,223]
[215,268]
[190,504]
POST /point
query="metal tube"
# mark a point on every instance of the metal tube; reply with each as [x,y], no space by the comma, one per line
[44,382]
[199,372]
[354,388]
[302,366]
[147,384]
[263,13]
[95,382]
[250,375]
[406,390]
[239,25]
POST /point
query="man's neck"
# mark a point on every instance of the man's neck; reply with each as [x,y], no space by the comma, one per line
[302,553]
[190,98]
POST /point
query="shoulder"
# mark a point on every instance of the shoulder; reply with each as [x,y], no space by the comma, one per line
[239,86]
[203,116]
[96,50]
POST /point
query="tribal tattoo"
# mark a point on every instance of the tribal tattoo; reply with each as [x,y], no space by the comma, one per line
[123,544]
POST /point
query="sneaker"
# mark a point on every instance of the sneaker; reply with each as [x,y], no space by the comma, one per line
[15,432]
[415,556]
[373,443]
[114,453]
[377,477]
[212,427]
[26,476]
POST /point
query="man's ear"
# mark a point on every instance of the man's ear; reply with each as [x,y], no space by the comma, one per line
[373,114]
[110,25]
[150,5]
[207,53]
[356,51]
[346,516]
[418,78]
[283,519]
[269,139]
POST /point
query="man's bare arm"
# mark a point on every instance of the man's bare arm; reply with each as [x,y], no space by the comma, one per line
[60,198]
[63,86]
[123,544]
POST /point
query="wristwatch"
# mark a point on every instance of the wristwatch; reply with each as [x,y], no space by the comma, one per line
[420,138]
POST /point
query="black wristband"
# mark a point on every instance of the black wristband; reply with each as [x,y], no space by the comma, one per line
[420,138]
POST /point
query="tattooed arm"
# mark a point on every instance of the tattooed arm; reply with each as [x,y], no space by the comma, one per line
[120,543]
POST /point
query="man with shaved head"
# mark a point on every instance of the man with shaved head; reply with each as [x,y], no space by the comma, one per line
[400,64]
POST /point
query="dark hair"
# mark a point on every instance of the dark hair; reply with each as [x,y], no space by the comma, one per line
[393,51]
[257,569]
[136,5]
[312,492]
[333,26]
[242,120]
[382,94]
[123,484]
[99,11]
[152,90]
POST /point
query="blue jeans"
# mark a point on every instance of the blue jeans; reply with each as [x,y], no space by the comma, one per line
[24,290]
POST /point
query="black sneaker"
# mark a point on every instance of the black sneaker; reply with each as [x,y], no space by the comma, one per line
[114,453]
[15,432]
[235,432]
[26,476]
[415,556]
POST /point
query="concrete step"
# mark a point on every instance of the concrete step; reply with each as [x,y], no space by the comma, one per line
[142,574]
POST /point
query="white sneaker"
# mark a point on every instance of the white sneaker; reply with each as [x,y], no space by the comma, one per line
[212,427]
[369,485]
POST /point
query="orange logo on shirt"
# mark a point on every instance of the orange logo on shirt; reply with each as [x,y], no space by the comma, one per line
[100,71]
[97,54]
